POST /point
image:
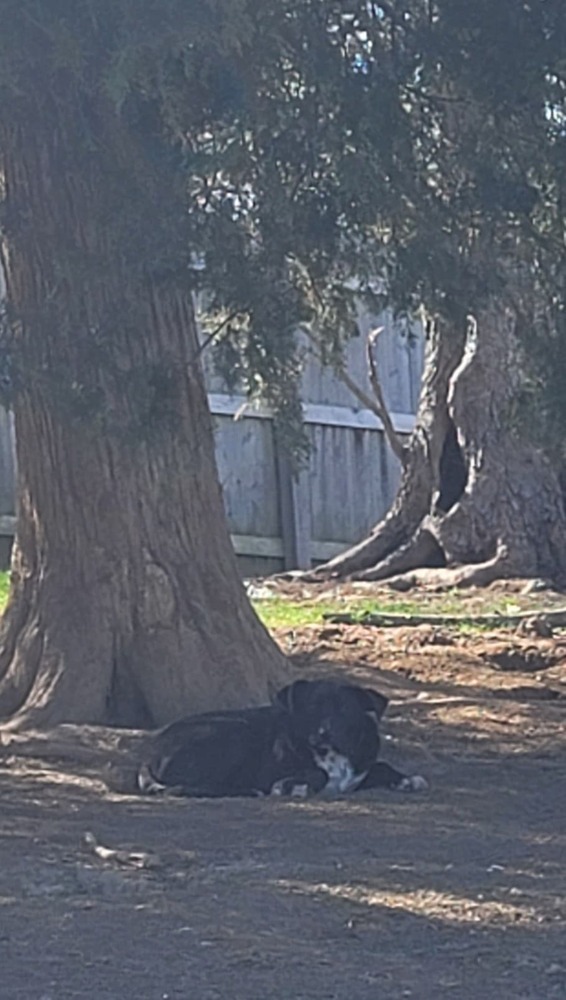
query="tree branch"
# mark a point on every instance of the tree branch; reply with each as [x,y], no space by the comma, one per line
[391,434]
[366,400]
[211,337]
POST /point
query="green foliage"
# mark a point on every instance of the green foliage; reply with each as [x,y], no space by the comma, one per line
[297,149]
[4,589]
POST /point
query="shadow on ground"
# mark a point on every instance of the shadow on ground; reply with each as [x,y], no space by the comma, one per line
[459,893]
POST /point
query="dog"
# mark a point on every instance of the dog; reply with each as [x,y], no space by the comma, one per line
[316,737]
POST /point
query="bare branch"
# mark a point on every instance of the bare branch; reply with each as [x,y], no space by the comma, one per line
[223,326]
[366,400]
[391,434]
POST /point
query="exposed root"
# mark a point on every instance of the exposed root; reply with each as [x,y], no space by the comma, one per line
[390,535]
[366,554]
[422,550]
[499,567]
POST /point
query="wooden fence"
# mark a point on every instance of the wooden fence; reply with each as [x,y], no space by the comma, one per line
[352,475]
[277,521]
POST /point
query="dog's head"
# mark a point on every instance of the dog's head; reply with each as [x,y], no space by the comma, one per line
[334,719]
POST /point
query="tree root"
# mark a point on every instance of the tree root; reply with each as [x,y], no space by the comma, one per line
[390,534]
[500,567]
[422,551]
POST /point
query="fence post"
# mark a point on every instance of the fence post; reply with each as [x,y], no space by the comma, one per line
[294,505]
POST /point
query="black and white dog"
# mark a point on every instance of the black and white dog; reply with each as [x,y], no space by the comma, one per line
[316,736]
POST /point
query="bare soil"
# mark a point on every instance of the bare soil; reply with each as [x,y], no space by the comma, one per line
[457,893]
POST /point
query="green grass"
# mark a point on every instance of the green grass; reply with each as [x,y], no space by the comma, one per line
[4,588]
[281,612]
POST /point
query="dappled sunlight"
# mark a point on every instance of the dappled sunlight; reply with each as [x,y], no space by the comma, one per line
[447,907]
[450,693]
[496,727]
[345,807]
[42,775]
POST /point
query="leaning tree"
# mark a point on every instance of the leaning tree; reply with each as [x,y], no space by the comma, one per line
[429,156]
[432,160]
[482,486]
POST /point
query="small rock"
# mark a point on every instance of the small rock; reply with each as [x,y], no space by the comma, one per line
[401,583]
[555,969]
[258,593]
[536,586]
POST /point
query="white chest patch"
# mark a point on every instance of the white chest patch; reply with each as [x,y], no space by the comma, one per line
[341,775]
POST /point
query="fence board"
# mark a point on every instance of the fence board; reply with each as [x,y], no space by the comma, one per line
[245,455]
[7,462]
[351,482]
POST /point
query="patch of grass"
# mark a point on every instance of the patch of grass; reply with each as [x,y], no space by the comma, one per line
[4,588]
[286,612]
[280,612]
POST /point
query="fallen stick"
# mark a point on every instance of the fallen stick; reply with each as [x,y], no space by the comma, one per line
[384,619]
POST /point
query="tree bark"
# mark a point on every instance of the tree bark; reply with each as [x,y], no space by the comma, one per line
[126,605]
[476,502]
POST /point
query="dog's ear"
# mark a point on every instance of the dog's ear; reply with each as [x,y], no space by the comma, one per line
[292,697]
[373,702]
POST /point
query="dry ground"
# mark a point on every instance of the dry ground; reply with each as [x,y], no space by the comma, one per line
[457,894]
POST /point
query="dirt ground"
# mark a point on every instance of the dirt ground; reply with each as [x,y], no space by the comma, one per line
[459,893]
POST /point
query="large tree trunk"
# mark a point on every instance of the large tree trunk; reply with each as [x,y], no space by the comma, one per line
[477,501]
[126,605]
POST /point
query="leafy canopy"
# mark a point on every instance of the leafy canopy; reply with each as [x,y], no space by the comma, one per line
[286,153]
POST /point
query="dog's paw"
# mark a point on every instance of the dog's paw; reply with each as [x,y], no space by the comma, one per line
[413,783]
[147,784]
[300,792]
[286,788]
[280,788]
